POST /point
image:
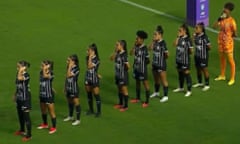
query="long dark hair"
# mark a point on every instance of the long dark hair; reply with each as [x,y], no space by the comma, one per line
[159,29]
[185,27]
[201,24]
[74,58]
[24,63]
[93,46]
[123,43]
[48,62]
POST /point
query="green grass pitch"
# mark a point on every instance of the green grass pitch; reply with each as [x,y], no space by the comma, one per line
[54,29]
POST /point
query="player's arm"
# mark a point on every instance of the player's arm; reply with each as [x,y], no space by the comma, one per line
[150,47]
[234,29]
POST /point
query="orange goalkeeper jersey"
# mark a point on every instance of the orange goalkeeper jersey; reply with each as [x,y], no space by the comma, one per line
[225,38]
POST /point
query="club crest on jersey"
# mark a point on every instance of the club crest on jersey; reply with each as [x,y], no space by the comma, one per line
[183,42]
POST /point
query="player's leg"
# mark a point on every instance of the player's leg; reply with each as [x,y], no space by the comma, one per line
[51,109]
[98,100]
[163,77]
[43,108]
[231,61]
[222,66]
[77,105]
[90,99]
[156,77]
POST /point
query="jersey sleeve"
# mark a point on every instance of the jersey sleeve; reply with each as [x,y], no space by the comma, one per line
[75,71]
[26,76]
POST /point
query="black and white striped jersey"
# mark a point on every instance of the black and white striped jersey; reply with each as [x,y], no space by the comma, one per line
[45,87]
[71,83]
[159,52]
[184,45]
[22,88]
[92,73]
[141,59]
[201,46]
[121,60]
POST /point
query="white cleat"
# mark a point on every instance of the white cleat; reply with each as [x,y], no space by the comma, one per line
[188,94]
[68,119]
[178,90]
[197,85]
[164,99]
[155,94]
[205,88]
[76,122]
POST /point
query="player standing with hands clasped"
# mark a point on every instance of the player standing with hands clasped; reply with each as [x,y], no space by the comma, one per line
[159,63]
[228,30]
[23,100]
[184,48]
[202,46]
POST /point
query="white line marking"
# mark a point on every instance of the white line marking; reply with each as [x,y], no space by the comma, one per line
[165,14]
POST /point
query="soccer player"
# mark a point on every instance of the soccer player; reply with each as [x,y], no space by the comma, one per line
[92,80]
[121,74]
[72,89]
[228,29]
[141,60]
[22,97]
[46,95]
[184,48]
[202,46]
[159,63]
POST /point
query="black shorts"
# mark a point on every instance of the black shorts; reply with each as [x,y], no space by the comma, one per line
[95,84]
[24,105]
[46,100]
[72,95]
[121,82]
[201,63]
[158,69]
[140,76]
[183,67]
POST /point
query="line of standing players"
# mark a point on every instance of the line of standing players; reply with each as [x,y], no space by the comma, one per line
[184,48]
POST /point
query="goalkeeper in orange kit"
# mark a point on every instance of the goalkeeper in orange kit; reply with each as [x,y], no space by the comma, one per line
[227,26]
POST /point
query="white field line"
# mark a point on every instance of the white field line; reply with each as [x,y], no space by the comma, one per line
[165,14]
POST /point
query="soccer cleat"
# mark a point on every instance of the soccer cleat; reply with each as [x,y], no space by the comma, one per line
[76,122]
[25,139]
[220,78]
[155,94]
[123,109]
[144,105]
[134,100]
[42,126]
[117,106]
[205,88]
[188,93]
[197,85]
[68,119]
[178,90]
[231,82]
[19,133]
[164,99]
[52,130]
